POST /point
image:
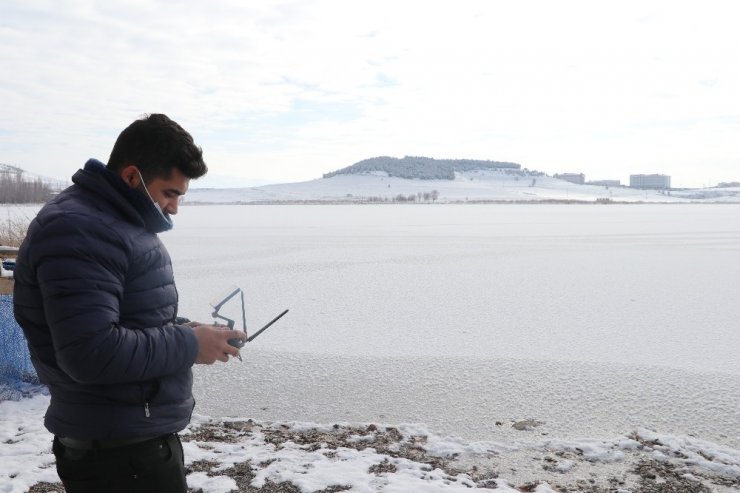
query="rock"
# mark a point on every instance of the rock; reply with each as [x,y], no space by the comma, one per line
[527,424]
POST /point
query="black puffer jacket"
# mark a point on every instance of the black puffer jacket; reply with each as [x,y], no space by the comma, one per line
[96,298]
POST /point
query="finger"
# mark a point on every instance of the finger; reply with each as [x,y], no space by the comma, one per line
[235,334]
[231,350]
[223,357]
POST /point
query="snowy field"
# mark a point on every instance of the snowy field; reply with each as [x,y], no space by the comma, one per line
[488,185]
[511,332]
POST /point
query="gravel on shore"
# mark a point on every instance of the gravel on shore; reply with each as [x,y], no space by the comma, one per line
[641,462]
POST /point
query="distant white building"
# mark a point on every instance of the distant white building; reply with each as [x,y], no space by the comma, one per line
[606,183]
[658,182]
[577,178]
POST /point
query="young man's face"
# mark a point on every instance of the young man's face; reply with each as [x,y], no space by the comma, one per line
[164,191]
[167,192]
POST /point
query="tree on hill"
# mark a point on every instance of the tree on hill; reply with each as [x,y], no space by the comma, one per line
[421,168]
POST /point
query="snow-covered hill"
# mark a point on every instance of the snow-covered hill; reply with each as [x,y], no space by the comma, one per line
[469,186]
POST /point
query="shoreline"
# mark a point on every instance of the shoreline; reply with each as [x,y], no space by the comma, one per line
[240,454]
[457,202]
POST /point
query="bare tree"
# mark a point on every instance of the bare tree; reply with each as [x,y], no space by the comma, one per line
[15,189]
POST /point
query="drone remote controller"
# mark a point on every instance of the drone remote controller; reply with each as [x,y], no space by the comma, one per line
[239,343]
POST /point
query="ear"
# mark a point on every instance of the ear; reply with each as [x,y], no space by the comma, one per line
[130,174]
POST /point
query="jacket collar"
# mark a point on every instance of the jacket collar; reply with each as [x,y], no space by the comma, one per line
[136,205]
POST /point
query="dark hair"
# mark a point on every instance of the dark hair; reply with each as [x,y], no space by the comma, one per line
[156,145]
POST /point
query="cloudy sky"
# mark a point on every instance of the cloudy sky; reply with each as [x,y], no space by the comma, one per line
[277,91]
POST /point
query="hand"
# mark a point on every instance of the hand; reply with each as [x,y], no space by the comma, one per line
[213,343]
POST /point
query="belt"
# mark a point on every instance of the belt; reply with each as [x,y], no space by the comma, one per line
[102,444]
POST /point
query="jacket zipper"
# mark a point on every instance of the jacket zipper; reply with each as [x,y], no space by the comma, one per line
[146,409]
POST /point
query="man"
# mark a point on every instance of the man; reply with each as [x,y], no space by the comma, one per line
[96,298]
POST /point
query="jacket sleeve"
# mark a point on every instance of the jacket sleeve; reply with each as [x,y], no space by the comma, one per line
[81,264]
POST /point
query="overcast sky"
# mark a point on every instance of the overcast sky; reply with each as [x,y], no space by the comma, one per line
[277,91]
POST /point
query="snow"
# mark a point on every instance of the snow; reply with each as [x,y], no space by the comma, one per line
[490,185]
[25,446]
[26,459]
[594,320]
[215,484]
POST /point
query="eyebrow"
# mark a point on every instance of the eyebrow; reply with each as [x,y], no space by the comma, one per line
[175,191]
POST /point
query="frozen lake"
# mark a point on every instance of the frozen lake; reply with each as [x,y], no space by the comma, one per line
[595,320]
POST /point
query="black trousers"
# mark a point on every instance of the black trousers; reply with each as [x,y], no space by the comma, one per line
[154,466]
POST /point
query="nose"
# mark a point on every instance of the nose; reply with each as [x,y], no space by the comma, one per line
[172,206]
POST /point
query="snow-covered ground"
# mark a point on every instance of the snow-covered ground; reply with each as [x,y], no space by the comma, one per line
[231,455]
[469,186]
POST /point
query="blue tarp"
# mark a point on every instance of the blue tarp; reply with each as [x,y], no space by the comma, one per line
[17,376]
